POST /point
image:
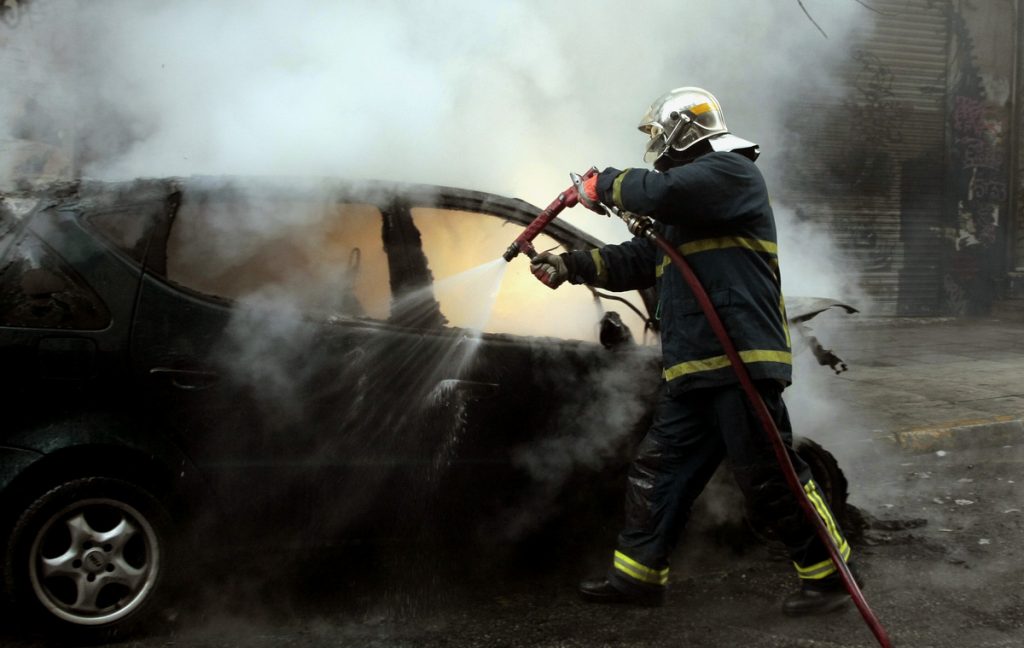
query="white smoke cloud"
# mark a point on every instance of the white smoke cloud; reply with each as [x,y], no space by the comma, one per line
[505,96]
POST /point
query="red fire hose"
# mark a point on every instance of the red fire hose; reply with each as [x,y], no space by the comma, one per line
[772,432]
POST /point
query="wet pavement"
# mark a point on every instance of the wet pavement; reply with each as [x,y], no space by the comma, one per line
[939,563]
[923,383]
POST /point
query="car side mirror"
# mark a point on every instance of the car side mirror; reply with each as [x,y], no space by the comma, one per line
[614,333]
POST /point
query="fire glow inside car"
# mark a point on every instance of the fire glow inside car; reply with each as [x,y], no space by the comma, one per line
[285,364]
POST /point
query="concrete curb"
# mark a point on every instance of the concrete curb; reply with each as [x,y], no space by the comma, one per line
[971,433]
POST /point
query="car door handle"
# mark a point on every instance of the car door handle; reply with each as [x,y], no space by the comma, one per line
[187,379]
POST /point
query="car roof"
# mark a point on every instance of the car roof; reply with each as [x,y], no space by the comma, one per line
[91,195]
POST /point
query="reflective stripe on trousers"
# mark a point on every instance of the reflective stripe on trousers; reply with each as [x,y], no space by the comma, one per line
[825,567]
[690,434]
[632,569]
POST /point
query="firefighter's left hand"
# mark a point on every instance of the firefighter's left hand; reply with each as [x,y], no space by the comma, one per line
[550,269]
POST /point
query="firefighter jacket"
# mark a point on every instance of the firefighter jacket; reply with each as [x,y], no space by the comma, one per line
[715,211]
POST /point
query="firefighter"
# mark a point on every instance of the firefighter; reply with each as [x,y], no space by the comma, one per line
[709,200]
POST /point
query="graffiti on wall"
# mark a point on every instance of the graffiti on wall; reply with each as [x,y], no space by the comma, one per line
[979,149]
[978,128]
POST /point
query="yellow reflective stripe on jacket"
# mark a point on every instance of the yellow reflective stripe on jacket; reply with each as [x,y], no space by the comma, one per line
[635,570]
[720,243]
[719,362]
[785,320]
[660,268]
[601,272]
[617,189]
[825,567]
[703,245]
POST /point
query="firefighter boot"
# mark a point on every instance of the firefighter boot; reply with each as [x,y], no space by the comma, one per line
[602,591]
[819,596]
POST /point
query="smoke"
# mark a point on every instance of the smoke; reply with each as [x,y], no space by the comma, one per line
[504,96]
[812,266]
[509,96]
[594,425]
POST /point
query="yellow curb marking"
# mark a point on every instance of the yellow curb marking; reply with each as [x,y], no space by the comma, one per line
[923,437]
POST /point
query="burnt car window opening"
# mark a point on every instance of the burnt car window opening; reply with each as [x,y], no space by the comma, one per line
[457,242]
[127,228]
[322,257]
[38,289]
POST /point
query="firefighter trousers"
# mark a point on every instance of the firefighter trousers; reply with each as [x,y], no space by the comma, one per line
[690,435]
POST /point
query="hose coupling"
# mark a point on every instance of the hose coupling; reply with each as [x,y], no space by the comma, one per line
[642,226]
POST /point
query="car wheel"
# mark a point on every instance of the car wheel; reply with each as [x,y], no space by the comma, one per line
[829,478]
[827,475]
[89,557]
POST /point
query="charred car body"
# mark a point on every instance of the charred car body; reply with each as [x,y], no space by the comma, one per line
[290,363]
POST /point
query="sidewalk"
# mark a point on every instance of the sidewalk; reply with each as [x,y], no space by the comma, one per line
[928,384]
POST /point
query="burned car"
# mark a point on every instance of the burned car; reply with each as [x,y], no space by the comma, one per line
[289,363]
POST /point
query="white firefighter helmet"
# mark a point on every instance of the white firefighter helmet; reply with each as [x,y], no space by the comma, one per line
[682,117]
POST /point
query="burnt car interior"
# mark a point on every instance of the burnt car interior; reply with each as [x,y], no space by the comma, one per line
[384,260]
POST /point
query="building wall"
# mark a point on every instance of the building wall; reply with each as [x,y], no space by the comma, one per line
[917,172]
[979,126]
[871,160]
[1015,247]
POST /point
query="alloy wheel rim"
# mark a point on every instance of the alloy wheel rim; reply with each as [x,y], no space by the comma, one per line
[94,561]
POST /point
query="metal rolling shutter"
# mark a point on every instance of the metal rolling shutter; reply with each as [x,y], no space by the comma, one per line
[875,175]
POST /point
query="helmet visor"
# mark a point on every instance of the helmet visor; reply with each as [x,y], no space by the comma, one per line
[658,143]
[662,122]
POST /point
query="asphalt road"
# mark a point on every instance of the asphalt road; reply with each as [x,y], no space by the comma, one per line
[940,559]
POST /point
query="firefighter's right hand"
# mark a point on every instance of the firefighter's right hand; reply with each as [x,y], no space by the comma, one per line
[550,269]
[589,197]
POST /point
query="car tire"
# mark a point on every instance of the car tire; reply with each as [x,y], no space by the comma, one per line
[89,558]
[827,476]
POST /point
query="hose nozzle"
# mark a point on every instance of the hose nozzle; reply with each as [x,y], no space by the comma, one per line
[514,250]
[567,198]
[511,252]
